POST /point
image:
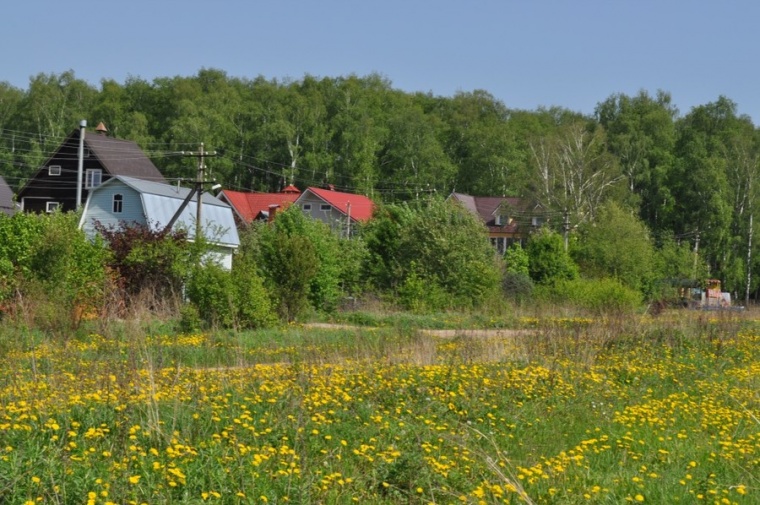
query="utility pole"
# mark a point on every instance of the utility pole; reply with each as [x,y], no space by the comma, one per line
[197,189]
[199,186]
[80,163]
[566,228]
[348,220]
[696,254]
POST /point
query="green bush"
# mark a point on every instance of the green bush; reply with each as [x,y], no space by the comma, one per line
[210,290]
[549,262]
[600,296]
[517,286]
[229,299]
[437,243]
[420,295]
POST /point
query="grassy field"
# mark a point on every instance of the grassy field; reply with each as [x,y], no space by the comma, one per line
[566,410]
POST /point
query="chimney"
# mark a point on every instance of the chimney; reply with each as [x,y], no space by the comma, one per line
[101,128]
[272,211]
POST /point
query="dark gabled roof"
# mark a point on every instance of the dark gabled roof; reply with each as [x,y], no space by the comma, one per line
[7,205]
[116,156]
[486,206]
[121,157]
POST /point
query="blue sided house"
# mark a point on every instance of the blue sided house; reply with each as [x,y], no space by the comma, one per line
[123,200]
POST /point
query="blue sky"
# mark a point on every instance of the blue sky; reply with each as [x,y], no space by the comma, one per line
[526,53]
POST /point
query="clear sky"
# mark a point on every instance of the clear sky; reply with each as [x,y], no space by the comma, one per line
[526,53]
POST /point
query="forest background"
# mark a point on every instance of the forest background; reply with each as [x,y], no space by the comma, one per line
[687,181]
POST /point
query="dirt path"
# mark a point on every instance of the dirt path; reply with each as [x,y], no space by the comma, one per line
[474,333]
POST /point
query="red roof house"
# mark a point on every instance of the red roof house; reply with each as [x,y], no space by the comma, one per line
[249,206]
[336,208]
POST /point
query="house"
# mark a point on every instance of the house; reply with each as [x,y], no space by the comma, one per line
[54,186]
[339,210]
[250,206]
[7,205]
[508,219]
[121,200]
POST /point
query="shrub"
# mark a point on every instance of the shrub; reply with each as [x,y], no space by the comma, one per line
[229,299]
[517,286]
[420,295]
[149,259]
[56,275]
[210,290]
[439,243]
[548,260]
[601,296]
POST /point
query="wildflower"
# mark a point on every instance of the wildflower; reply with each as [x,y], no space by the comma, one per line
[638,498]
[134,479]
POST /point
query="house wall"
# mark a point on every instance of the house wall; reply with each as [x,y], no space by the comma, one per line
[335,219]
[101,205]
[60,188]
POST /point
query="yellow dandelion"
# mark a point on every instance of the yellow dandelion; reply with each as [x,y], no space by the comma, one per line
[638,498]
[134,479]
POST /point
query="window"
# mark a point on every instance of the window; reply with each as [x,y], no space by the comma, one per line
[51,206]
[325,207]
[93,178]
[498,220]
[118,203]
[307,206]
[54,170]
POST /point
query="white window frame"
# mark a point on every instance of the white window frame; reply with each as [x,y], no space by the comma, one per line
[89,178]
[117,203]
[307,206]
[51,207]
[54,170]
[325,207]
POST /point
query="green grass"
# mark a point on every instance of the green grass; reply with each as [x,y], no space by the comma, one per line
[578,411]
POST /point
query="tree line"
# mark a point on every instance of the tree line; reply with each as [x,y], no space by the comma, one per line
[689,178]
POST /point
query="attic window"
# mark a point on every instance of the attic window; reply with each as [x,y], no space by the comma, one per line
[118,203]
[51,206]
[499,220]
[325,207]
[94,177]
[54,170]
[307,206]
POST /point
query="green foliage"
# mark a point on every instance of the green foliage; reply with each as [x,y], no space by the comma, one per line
[290,264]
[548,260]
[600,296]
[56,274]
[420,295]
[617,245]
[211,291]
[517,286]
[253,305]
[18,235]
[690,176]
[146,258]
[383,236]
[439,243]
[302,260]
[516,260]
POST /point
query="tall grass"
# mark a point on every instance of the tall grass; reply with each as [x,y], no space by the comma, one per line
[554,409]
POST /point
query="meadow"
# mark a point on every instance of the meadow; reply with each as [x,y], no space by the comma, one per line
[527,410]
